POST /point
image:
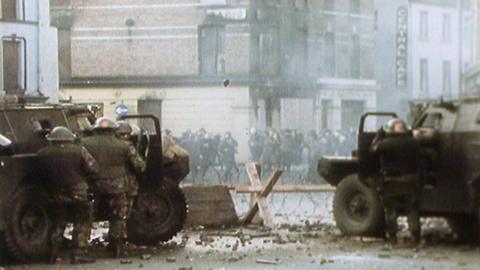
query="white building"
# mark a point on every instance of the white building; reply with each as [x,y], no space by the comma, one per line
[29,62]
[434,41]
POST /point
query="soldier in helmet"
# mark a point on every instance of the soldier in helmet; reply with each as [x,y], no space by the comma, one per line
[124,132]
[70,185]
[111,186]
[399,183]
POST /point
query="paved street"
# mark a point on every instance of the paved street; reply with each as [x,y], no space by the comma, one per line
[311,246]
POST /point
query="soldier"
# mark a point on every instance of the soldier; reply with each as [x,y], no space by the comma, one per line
[399,183]
[124,132]
[111,186]
[70,190]
[255,144]
[228,149]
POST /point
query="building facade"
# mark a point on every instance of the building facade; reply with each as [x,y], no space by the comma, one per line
[287,64]
[436,48]
[420,53]
[29,50]
[472,72]
[186,62]
[316,57]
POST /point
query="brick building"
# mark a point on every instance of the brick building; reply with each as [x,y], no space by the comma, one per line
[290,63]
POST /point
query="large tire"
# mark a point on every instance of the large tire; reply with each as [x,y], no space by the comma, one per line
[465,228]
[28,224]
[157,216]
[357,208]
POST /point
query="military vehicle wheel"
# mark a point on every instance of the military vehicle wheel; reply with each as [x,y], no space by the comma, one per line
[28,224]
[464,227]
[157,216]
[357,208]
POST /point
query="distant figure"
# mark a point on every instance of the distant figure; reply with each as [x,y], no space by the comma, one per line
[271,153]
[228,149]
[287,149]
[255,144]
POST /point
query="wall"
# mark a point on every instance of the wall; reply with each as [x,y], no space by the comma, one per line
[434,49]
[41,42]
[119,38]
[218,110]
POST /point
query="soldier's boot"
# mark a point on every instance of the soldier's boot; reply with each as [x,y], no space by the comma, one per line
[414,226]
[117,247]
[80,256]
[54,252]
[392,238]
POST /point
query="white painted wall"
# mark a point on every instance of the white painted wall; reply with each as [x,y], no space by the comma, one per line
[435,50]
[217,109]
[41,42]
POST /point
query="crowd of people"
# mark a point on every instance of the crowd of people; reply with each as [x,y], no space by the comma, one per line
[208,151]
[283,149]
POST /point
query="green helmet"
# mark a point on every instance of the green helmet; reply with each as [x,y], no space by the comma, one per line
[123,127]
[105,123]
[61,134]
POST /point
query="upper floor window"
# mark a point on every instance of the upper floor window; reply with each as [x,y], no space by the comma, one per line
[328,5]
[13,68]
[212,49]
[330,57]
[424,75]
[446,27]
[355,56]
[447,77]
[354,6]
[9,10]
[267,50]
[423,30]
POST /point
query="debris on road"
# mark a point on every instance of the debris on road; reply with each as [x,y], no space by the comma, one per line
[171,259]
[264,261]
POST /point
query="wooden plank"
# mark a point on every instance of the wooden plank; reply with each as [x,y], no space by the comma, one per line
[285,188]
[271,182]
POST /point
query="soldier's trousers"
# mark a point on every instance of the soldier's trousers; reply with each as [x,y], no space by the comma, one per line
[401,196]
[80,214]
[118,210]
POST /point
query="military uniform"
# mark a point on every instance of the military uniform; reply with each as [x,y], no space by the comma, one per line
[228,149]
[132,182]
[399,183]
[68,167]
[112,184]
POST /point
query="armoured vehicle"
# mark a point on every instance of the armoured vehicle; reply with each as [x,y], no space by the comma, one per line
[451,177]
[25,206]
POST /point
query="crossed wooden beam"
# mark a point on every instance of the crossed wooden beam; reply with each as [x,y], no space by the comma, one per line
[259,205]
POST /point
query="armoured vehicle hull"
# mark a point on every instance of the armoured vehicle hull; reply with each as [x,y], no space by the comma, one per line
[25,207]
[452,178]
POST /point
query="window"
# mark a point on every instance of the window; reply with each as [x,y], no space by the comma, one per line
[446,27]
[330,54]
[424,75]
[12,66]
[432,121]
[268,60]
[9,10]
[423,31]
[354,6]
[447,77]
[212,49]
[64,53]
[328,5]
[355,57]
